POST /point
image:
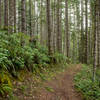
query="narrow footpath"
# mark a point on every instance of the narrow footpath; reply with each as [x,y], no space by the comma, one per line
[62,87]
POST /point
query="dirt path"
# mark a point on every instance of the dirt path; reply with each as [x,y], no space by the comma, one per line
[62,87]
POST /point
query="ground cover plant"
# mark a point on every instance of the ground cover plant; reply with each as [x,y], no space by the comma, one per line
[84,83]
[14,57]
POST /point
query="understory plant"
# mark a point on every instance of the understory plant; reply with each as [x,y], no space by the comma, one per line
[18,53]
[84,83]
[5,83]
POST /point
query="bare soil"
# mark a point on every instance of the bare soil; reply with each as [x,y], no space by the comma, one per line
[63,86]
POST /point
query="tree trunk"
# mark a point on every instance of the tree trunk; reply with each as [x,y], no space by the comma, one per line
[19,16]
[95,41]
[23,18]
[11,16]
[99,33]
[15,16]
[81,41]
[6,14]
[41,24]
[0,14]
[66,28]
[49,28]
[54,27]
[30,15]
[59,35]
[86,32]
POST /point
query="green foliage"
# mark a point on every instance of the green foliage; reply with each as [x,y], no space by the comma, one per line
[5,88]
[49,89]
[84,83]
[14,56]
[12,97]
[5,83]
[23,88]
[4,62]
[17,53]
[59,58]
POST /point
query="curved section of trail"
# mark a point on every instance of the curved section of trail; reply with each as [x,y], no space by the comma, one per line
[62,87]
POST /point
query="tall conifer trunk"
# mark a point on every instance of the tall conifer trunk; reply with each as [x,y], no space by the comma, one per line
[99,33]
[95,39]
[59,33]
[11,16]
[0,14]
[15,16]
[23,16]
[86,32]
[49,28]
[6,14]
[66,28]
[30,15]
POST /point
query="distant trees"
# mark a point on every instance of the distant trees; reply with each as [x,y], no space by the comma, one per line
[30,18]
[67,27]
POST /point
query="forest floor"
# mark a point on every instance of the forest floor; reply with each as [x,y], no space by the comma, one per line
[61,87]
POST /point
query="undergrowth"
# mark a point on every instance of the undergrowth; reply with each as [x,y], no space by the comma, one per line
[18,53]
[84,84]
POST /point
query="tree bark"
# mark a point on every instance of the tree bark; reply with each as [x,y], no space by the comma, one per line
[86,32]
[15,16]
[6,14]
[81,39]
[98,33]
[19,16]
[11,16]
[95,40]
[0,14]
[23,18]
[30,15]
[59,35]
[49,28]
[66,27]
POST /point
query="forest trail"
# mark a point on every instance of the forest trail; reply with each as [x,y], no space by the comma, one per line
[62,87]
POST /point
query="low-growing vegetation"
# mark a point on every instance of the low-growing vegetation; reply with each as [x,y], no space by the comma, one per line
[84,83]
[15,57]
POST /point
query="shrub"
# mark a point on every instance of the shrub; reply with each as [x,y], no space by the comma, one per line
[5,83]
[18,53]
[84,83]
[4,61]
[59,58]
[14,56]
